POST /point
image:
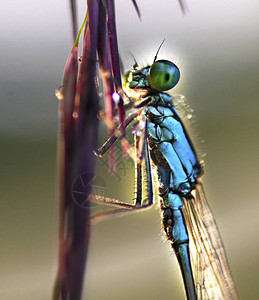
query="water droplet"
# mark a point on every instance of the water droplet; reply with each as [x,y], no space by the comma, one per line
[189,116]
[58,94]
[75,115]
[116,97]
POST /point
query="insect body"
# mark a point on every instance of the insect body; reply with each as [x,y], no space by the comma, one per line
[173,154]
[185,213]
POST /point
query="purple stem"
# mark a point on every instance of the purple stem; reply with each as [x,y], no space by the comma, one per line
[108,82]
[65,143]
[115,57]
[83,160]
[78,141]
[74,17]
[136,8]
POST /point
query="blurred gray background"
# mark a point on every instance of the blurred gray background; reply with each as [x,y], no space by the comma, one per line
[216,46]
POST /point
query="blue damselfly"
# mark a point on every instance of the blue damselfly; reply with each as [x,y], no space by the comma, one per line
[162,143]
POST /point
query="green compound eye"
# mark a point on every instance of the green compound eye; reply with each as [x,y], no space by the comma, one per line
[163,75]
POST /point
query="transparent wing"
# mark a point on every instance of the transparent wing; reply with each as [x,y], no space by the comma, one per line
[210,268]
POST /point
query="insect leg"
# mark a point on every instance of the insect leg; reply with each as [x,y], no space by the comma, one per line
[122,208]
[112,139]
[142,185]
[144,182]
[127,106]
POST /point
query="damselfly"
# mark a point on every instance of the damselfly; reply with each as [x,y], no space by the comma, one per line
[186,218]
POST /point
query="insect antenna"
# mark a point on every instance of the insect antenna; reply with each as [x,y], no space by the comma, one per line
[135,61]
[158,50]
